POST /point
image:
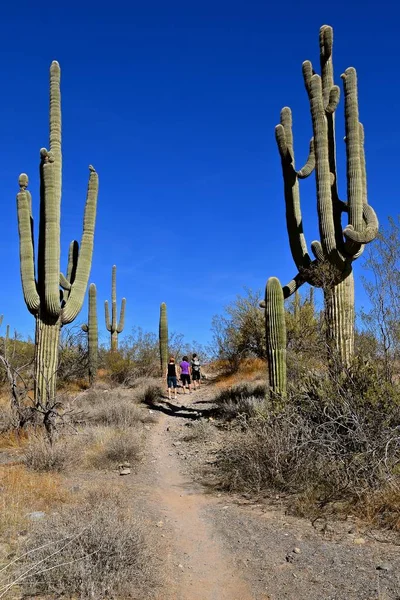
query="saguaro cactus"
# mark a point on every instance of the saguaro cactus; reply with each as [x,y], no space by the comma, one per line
[91,329]
[331,269]
[163,337]
[51,306]
[275,329]
[112,326]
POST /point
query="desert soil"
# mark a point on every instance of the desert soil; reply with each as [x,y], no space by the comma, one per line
[215,546]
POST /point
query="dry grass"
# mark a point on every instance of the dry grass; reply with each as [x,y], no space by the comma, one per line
[58,457]
[24,491]
[250,370]
[114,408]
[246,400]
[111,447]
[14,438]
[97,550]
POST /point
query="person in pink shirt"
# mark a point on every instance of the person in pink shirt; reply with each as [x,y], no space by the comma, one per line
[185,374]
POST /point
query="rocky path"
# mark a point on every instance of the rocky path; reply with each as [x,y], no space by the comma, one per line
[216,547]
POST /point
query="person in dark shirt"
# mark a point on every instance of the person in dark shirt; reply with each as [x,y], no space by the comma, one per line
[172,380]
[196,374]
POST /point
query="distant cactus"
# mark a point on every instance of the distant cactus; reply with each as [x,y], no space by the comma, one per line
[334,254]
[52,309]
[91,329]
[163,337]
[112,326]
[275,327]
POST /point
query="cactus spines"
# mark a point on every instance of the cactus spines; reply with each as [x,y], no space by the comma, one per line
[275,328]
[51,307]
[163,338]
[91,329]
[112,326]
[337,248]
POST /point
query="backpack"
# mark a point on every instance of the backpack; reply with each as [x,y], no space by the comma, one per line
[196,365]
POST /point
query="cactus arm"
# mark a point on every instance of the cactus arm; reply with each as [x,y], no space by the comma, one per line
[275,328]
[107,315]
[294,222]
[293,285]
[55,126]
[323,174]
[370,230]
[363,165]
[78,291]
[122,316]
[85,328]
[51,236]
[114,298]
[26,246]
[73,253]
[64,283]
[355,194]
[310,164]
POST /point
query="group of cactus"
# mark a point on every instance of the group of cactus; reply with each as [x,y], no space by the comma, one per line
[331,267]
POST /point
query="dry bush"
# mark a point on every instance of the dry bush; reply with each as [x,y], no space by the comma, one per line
[114,408]
[333,441]
[98,550]
[245,399]
[249,370]
[111,447]
[24,491]
[60,456]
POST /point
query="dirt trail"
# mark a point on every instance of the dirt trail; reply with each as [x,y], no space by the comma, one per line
[218,547]
[198,566]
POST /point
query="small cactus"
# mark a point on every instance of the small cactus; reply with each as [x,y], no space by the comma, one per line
[91,329]
[163,336]
[275,328]
[112,326]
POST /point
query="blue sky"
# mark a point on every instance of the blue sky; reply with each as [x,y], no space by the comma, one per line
[175,105]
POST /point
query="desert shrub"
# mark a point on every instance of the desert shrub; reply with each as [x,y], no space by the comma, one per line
[116,407]
[334,439]
[245,399]
[98,550]
[40,455]
[149,394]
[113,447]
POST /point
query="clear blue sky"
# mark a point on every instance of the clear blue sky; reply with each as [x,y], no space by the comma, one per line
[175,105]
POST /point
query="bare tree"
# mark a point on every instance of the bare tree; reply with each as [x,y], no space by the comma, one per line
[383,289]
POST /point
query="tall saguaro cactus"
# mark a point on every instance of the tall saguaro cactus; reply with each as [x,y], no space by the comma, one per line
[331,268]
[91,329]
[51,306]
[163,337]
[112,326]
[275,328]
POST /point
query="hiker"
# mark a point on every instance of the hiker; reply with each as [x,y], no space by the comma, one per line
[172,380]
[185,374]
[196,376]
